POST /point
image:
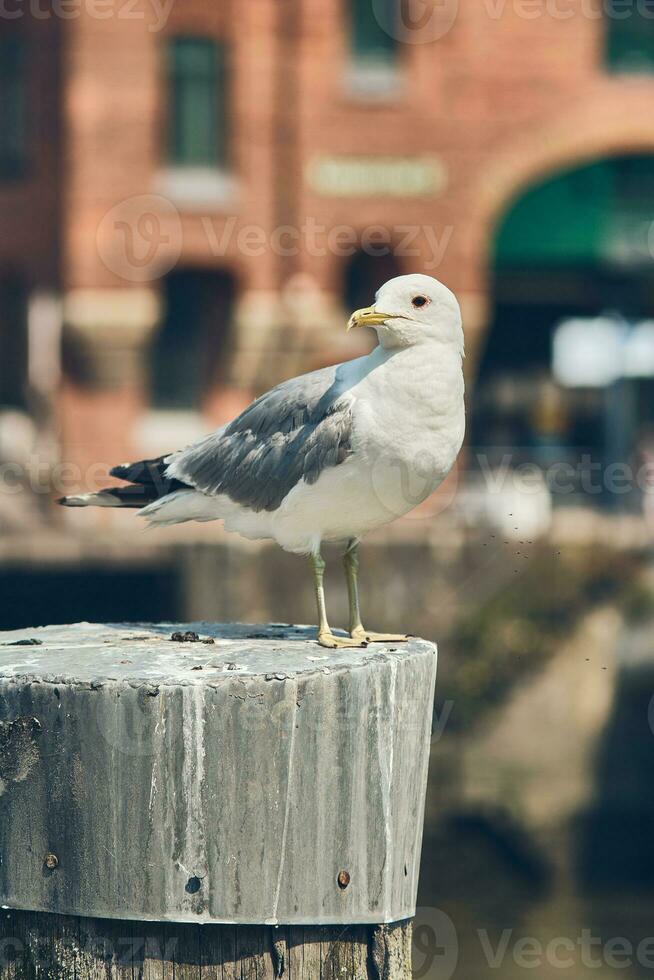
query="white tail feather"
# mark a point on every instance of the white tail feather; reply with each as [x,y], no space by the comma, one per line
[99,499]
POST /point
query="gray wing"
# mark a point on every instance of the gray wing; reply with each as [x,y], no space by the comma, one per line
[293,432]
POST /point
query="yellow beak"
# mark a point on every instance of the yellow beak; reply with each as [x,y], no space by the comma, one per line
[368,317]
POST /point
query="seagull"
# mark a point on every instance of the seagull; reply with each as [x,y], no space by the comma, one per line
[328,456]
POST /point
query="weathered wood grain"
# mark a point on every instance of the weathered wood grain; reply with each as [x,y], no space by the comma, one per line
[42,946]
[157,797]
[145,778]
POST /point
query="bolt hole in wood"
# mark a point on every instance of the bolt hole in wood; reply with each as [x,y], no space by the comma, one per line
[343,879]
[193,885]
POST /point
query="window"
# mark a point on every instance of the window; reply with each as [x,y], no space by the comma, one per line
[190,351]
[630,36]
[13,107]
[197,133]
[13,342]
[373,38]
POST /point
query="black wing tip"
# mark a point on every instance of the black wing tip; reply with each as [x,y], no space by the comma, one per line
[143,471]
[122,468]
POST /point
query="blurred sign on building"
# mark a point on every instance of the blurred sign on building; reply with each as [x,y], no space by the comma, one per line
[353,176]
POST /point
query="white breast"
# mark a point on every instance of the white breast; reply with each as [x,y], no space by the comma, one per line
[409,422]
[411,412]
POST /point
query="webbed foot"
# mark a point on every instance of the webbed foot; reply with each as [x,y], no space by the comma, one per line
[369,636]
[327,639]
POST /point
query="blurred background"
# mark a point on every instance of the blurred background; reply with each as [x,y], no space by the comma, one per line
[193,197]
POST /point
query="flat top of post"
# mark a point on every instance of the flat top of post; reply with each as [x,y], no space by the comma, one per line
[147,653]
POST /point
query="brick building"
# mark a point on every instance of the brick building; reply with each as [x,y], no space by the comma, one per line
[192,194]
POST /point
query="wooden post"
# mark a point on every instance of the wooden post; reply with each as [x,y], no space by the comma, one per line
[209,800]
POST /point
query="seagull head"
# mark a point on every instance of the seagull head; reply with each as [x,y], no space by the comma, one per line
[411,310]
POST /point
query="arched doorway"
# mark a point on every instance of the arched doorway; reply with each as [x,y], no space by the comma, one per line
[190,351]
[580,246]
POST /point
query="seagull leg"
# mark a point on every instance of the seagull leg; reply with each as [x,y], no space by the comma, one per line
[325,636]
[351,562]
[357,629]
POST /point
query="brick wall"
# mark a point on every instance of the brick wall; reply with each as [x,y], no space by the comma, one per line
[513,91]
[29,207]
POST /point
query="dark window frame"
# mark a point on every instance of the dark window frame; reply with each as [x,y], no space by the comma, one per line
[14,340]
[190,352]
[198,102]
[370,43]
[630,38]
[14,107]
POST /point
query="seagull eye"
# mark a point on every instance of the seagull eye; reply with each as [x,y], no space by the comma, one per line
[419,301]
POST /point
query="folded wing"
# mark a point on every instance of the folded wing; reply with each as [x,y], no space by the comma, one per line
[291,433]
